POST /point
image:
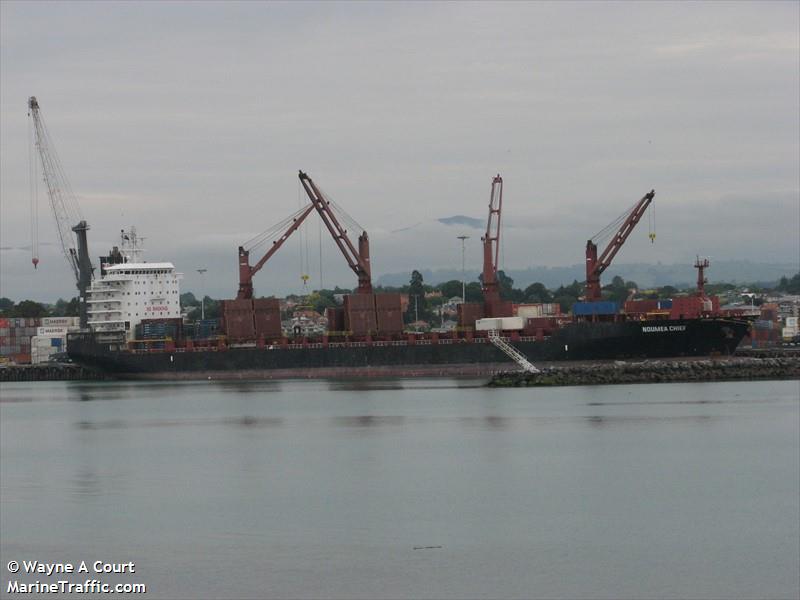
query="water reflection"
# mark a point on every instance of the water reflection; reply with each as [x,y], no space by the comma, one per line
[369,421]
[245,421]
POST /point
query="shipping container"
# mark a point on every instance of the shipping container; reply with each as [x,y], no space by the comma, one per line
[267,318]
[468,313]
[359,314]
[239,319]
[499,324]
[335,316]
[529,311]
[60,322]
[389,314]
[595,308]
[52,330]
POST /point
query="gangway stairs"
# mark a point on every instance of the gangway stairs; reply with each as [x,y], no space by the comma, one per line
[511,352]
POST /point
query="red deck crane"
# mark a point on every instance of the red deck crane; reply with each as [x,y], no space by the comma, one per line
[491,250]
[246,272]
[357,260]
[594,265]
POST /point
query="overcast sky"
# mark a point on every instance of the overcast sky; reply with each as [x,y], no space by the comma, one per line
[191,120]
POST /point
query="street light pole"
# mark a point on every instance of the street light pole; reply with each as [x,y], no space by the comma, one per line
[202,291]
[463,238]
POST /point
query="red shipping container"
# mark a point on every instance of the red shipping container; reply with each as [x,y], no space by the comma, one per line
[468,313]
[238,319]
[267,317]
[335,316]
[359,314]
[389,314]
[640,306]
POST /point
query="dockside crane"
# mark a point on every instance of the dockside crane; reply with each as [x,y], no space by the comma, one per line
[66,210]
[596,265]
[491,250]
[357,259]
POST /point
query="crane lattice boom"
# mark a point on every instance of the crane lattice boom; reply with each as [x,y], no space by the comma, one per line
[65,207]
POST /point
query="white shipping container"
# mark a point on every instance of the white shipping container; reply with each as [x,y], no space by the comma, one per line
[52,331]
[530,311]
[791,322]
[487,324]
[60,322]
[499,323]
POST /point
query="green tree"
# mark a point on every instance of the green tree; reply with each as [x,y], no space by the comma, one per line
[790,286]
[451,288]
[6,306]
[417,304]
[536,293]
[29,310]
[188,299]
[568,295]
[321,300]
[474,292]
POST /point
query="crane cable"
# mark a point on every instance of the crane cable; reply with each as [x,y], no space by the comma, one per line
[652,223]
[304,267]
[33,189]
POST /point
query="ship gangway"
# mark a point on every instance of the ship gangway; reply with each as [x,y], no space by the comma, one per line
[511,352]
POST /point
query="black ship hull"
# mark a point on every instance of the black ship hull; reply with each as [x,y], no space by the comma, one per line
[579,341]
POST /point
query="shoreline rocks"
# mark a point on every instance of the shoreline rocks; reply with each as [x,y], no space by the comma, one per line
[49,372]
[655,371]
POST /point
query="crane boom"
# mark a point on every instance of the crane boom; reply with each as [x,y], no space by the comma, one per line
[65,208]
[357,259]
[594,265]
[246,272]
[491,248]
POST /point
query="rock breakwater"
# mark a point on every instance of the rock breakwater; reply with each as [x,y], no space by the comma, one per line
[655,371]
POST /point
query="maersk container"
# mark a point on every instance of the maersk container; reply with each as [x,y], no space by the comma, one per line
[584,309]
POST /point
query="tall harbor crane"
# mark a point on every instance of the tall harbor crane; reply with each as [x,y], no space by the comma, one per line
[596,265]
[357,259]
[66,211]
[491,250]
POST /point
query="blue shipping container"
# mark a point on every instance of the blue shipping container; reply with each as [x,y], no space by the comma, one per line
[665,304]
[595,308]
[55,342]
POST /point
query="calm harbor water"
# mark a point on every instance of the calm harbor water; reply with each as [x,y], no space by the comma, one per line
[407,489]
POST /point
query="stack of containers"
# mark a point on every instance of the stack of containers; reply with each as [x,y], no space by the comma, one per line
[790,330]
[51,337]
[15,338]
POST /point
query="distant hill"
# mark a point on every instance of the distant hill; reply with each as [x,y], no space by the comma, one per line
[645,275]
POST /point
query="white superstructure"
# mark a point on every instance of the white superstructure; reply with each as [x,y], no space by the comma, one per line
[130,290]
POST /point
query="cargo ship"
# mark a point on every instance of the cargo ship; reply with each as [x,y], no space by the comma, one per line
[416,355]
[136,332]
